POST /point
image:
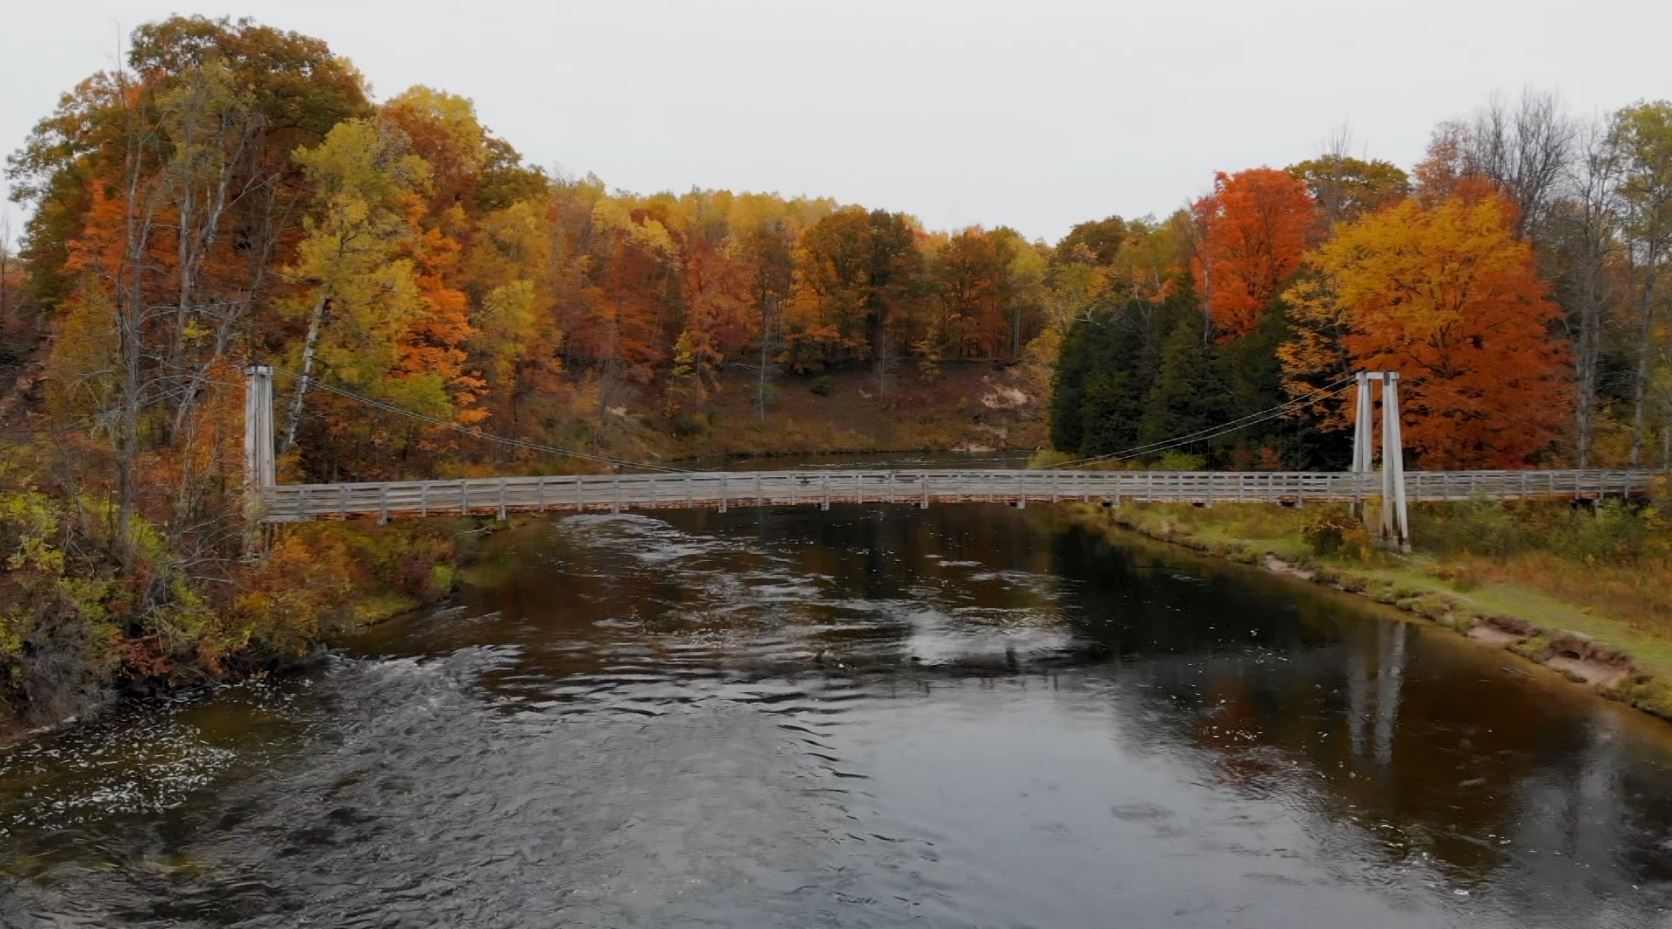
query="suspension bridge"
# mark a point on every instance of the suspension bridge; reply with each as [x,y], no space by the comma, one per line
[662,487]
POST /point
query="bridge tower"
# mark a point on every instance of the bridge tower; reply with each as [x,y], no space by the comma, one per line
[260,471]
[1395,521]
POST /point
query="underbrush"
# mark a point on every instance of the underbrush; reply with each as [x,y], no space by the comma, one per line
[1616,533]
[78,622]
[966,406]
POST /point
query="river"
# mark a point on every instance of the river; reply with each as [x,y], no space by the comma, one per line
[875,716]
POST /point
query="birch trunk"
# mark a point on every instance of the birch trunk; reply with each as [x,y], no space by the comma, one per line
[316,323]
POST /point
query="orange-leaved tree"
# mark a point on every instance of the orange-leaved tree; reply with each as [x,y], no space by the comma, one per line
[1253,233]
[1450,299]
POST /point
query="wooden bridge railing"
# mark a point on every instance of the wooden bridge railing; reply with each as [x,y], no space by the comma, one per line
[724,489]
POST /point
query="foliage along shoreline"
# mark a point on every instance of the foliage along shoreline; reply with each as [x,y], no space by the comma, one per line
[1615,659]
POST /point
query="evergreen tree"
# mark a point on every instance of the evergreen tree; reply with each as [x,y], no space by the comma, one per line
[1253,379]
[1106,371]
[1189,392]
[1068,388]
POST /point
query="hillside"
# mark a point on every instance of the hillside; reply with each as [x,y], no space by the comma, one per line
[968,407]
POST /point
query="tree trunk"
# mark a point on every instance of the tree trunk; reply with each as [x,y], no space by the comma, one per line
[1666,442]
[760,384]
[316,323]
[127,429]
[1645,352]
[130,313]
[1587,353]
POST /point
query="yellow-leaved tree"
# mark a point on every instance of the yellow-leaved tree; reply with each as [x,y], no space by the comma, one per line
[1450,299]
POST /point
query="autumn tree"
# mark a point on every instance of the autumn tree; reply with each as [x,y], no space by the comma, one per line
[766,253]
[1448,297]
[1155,261]
[973,290]
[512,277]
[1346,188]
[1641,136]
[1583,248]
[1094,242]
[1254,231]
[1521,153]
[362,292]
[857,274]
[163,192]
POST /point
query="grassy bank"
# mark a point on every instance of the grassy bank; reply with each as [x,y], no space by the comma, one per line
[1585,593]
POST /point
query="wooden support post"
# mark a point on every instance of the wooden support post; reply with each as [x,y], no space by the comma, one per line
[722,493]
[1022,489]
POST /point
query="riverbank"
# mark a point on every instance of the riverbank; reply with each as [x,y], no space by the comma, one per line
[78,632]
[1602,623]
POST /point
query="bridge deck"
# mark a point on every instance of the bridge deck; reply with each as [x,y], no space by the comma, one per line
[286,503]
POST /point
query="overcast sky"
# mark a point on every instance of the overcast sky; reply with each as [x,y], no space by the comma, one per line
[1032,114]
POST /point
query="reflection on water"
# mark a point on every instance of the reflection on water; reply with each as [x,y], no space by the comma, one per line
[872,716]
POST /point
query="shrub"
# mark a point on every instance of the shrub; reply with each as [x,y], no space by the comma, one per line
[823,385]
[688,423]
[1049,458]
[1180,461]
[1479,527]
[1615,534]
[1461,576]
[1329,530]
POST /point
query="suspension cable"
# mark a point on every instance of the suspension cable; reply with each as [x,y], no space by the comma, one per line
[1213,432]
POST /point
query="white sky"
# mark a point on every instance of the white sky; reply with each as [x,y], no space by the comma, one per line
[1032,114]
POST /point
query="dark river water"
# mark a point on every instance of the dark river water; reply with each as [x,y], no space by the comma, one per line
[876,716]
